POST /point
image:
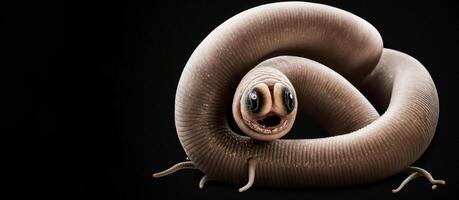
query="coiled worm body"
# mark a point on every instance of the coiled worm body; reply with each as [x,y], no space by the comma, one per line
[274,60]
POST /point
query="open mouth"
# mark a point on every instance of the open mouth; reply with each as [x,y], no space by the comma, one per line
[270,121]
[270,124]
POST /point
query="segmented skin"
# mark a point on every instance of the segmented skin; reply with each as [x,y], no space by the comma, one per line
[328,54]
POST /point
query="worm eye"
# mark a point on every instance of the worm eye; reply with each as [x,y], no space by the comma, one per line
[289,101]
[254,101]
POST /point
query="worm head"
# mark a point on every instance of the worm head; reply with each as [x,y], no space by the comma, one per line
[265,104]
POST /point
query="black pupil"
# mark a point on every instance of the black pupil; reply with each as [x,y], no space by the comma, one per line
[254,101]
[288,100]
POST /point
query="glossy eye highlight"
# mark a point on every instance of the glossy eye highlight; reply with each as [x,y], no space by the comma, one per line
[254,101]
[289,101]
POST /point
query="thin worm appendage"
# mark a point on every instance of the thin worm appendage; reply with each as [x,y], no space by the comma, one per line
[203,181]
[427,175]
[407,180]
[417,172]
[176,167]
[252,167]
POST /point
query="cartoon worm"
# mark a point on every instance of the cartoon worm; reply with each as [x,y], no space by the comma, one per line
[279,53]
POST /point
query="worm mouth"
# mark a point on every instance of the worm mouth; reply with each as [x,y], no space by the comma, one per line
[269,124]
[270,121]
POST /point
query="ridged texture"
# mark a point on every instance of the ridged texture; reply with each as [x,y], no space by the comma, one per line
[366,147]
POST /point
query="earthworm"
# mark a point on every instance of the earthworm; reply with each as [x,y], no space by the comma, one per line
[268,63]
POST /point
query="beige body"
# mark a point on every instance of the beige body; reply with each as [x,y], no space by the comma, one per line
[363,146]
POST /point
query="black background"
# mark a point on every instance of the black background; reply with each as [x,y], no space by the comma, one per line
[98,96]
